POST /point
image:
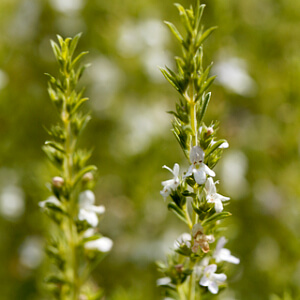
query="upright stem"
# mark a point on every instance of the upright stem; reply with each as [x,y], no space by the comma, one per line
[72,232]
[181,292]
[194,126]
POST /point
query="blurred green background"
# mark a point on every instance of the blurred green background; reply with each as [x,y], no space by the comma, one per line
[256,54]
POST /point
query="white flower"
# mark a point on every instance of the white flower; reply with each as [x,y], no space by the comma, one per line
[211,279]
[163,281]
[171,184]
[184,238]
[212,195]
[87,210]
[52,200]
[103,244]
[223,254]
[198,168]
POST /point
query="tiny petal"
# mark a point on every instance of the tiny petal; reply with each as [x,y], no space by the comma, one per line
[219,277]
[204,281]
[196,155]
[52,200]
[102,244]
[221,243]
[200,176]
[184,238]
[225,255]
[213,287]
[176,170]
[208,171]
[224,145]
[211,268]
[89,216]
[86,197]
[98,209]
[163,281]
[210,186]
[218,205]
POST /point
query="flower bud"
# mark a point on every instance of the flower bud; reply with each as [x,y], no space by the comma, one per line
[179,268]
[210,131]
[87,177]
[58,182]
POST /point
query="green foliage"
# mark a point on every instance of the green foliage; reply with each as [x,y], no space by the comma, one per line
[72,260]
[199,145]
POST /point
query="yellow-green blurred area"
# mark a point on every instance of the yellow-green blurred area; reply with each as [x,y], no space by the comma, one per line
[256,54]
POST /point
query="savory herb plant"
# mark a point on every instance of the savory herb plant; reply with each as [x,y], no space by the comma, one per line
[195,269]
[75,245]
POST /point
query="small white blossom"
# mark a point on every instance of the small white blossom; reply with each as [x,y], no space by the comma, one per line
[53,200]
[212,195]
[103,244]
[87,210]
[171,184]
[223,254]
[184,238]
[211,279]
[198,168]
[163,281]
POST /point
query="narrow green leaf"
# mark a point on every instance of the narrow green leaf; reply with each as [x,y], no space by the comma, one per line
[204,36]
[203,77]
[178,212]
[175,32]
[203,107]
[82,172]
[78,57]
[56,50]
[199,12]
[207,84]
[78,104]
[184,18]
[214,147]
[60,40]
[55,145]
[216,217]
[170,78]
[74,43]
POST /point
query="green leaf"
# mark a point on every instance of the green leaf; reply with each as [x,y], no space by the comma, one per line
[55,145]
[82,172]
[203,77]
[78,57]
[74,43]
[60,40]
[207,84]
[55,279]
[203,108]
[202,37]
[184,18]
[170,78]
[198,15]
[214,147]
[216,217]
[56,50]
[178,212]
[78,104]
[175,32]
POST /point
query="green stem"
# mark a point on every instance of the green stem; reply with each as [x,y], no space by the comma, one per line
[72,236]
[181,292]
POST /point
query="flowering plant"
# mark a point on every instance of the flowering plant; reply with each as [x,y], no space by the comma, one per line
[75,245]
[193,194]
